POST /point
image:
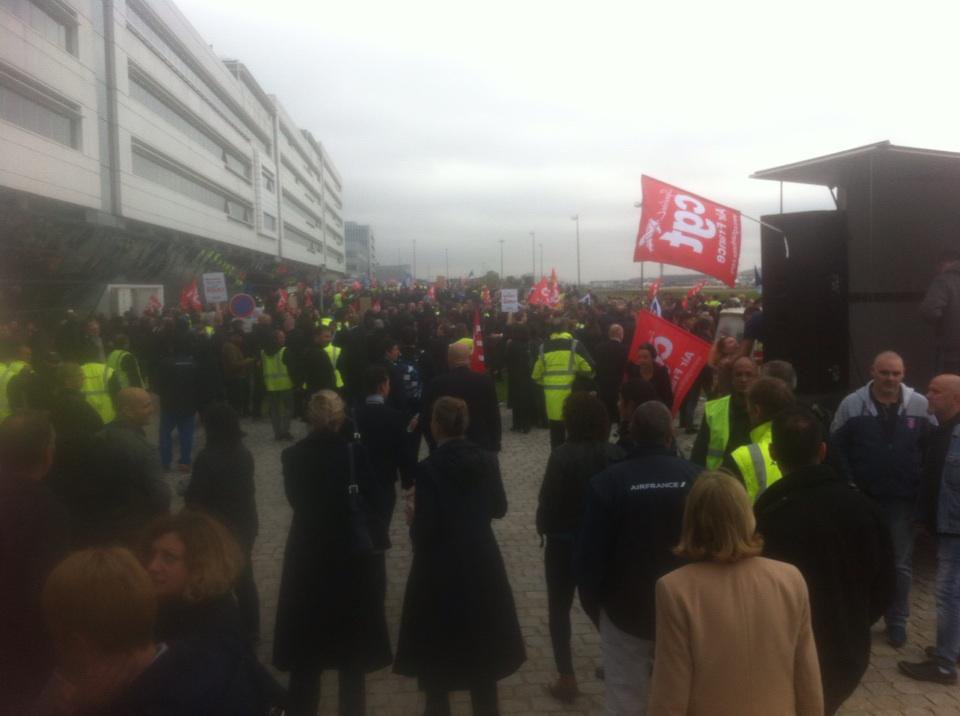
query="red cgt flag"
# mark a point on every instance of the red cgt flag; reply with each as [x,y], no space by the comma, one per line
[683,229]
[477,364]
[683,353]
[540,294]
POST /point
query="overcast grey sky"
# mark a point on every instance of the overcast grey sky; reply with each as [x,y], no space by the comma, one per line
[459,124]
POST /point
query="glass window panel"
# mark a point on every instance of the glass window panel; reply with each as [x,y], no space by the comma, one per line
[29,114]
[46,25]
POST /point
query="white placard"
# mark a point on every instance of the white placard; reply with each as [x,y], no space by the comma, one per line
[215,288]
[508,300]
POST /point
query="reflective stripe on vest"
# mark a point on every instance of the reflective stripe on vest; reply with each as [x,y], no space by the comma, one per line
[8,373]
[717,414]
[96,389]
[334,353]
[758,469]
[559,372]
[113,362]
[276,377]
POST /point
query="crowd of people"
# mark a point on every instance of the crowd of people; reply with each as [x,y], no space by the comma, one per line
[742,578]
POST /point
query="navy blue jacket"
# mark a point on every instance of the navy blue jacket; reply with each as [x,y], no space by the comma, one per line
[882,469]
[634,510]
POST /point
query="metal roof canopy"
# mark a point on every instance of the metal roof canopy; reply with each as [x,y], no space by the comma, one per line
[845,168]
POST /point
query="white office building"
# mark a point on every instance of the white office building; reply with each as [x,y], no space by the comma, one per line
[127,146]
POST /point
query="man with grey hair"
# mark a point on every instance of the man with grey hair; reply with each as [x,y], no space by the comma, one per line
[611,357]
[631,523]
[876,439]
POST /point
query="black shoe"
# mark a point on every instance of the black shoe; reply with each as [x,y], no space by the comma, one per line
[928,671]
[896,636]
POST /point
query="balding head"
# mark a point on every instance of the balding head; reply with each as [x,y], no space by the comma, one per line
[135,406]
[652,425]
[615,332]
[887,373]
[458,354]
[943,397]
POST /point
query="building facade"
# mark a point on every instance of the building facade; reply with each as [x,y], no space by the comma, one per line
[121,130]
[361,249]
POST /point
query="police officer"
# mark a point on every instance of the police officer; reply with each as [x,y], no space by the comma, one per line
[562,358]
[752,463]
[726,423]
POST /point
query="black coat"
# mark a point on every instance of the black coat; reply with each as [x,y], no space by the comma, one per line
[660,380]
[383,432]
[459,622]
[330,612]
[480,395]
[217,619]
[611,359]
[318,370]
[33,538]
[179,387]
[521,390]
[565,482]
[222,485]
[835,536]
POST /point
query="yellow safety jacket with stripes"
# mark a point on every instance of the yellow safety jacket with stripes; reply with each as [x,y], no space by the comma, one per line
[717,414]
[8,373]
[276,377]
[334,353]
[555,369]
[96,389]
[757,467]
[115,359]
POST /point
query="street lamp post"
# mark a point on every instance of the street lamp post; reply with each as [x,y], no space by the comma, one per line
[446,256]
[541,260]
[577,219]
[414,260]
[501,262]
[638,205]
[533,245]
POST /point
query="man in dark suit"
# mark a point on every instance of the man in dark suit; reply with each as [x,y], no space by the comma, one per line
[611,357]
[476,389]
[383,432]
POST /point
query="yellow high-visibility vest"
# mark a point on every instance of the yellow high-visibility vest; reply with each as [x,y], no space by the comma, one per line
[556,370]
[717,414]
[96,389]
[757,467]
[113,362]
[276,377]
[334,353]
[8,373]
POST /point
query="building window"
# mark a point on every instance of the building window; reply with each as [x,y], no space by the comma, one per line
[27,110]
[269,222]
[298,237]
[185,124]
[180,181]
[46,18]
[268,181]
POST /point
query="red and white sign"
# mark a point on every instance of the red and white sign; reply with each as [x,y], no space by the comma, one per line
[477,364]
[683,353]
[683,229]
[190,297]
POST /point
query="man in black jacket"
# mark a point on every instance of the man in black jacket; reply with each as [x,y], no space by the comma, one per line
[383,432]
[611,357]
[631,523]
[476,389]
[836,537]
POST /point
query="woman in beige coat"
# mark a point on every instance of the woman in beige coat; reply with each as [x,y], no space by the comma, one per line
[733,628]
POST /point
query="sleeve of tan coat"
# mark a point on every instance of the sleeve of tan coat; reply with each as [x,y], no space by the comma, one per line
[672,663]
[806,667]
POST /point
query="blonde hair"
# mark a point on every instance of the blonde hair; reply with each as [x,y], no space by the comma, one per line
[325,411]
[213,557]
[718,522]
[104,595]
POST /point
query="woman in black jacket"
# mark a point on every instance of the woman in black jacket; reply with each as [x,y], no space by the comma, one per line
[586,452]
[222,485]
[459,629]
[644,365]
[330,612]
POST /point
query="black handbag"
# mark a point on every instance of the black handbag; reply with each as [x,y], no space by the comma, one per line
[360,541]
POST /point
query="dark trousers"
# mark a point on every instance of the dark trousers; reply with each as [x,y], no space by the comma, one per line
[238,395]
[558,433]
[184,428]
[561,585]
[304,699]
[483,698]
[248,602]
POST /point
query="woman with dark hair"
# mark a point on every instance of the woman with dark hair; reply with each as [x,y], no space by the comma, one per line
[644,365]
[222,485]
[330,612]
[459,629]
[569,469]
